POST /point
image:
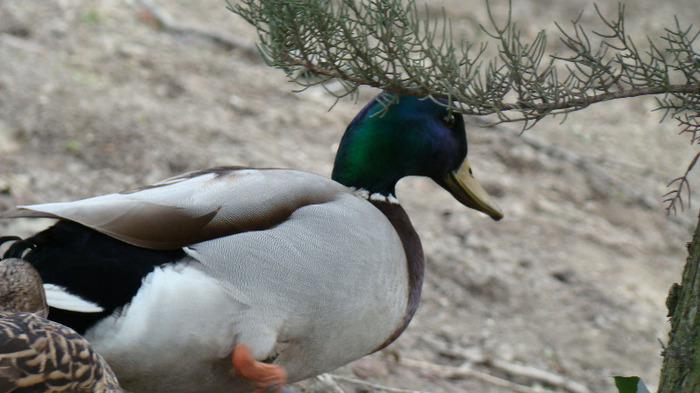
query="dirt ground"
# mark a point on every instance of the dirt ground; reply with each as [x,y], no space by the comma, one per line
[94,98]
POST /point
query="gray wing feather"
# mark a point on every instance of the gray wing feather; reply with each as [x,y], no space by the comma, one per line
[194,207]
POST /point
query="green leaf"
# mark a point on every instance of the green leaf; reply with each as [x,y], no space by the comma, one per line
[630,385]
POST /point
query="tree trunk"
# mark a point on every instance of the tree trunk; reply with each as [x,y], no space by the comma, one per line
[681,367]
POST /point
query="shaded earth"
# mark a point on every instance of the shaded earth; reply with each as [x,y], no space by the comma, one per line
[95,98]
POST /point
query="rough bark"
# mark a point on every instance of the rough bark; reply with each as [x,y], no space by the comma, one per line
[681,367]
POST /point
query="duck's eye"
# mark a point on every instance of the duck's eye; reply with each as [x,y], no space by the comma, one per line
[449,119]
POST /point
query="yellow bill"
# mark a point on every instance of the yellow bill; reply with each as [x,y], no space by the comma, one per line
[462,185]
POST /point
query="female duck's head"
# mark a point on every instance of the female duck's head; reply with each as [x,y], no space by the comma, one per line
[411,136]
[21,288]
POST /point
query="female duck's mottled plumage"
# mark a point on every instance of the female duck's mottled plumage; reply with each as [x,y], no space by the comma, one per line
[38,355]
[233,278]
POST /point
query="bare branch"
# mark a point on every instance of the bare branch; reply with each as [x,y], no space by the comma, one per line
[691,125]
[674,198]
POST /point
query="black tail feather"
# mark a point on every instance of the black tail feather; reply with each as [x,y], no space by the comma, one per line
[89,264]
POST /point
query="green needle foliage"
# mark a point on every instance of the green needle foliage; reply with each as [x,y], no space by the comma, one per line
[386,44]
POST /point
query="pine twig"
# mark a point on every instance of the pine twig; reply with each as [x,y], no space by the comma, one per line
[389,45]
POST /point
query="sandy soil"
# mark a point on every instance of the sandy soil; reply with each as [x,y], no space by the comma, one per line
[94,98]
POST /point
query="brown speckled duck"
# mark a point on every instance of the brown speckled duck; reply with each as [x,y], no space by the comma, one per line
[38,355]
[233,279]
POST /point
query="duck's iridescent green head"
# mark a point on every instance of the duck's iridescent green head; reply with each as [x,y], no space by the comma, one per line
[414,136]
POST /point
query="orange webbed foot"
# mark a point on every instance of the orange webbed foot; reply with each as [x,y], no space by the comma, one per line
[264,375]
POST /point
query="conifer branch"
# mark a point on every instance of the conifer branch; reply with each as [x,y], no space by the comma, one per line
[385,44]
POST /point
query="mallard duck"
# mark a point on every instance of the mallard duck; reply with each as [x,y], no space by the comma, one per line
[232,279]
[39,355]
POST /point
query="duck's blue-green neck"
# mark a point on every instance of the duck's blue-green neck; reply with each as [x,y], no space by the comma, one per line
[383,144]
[367,153]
